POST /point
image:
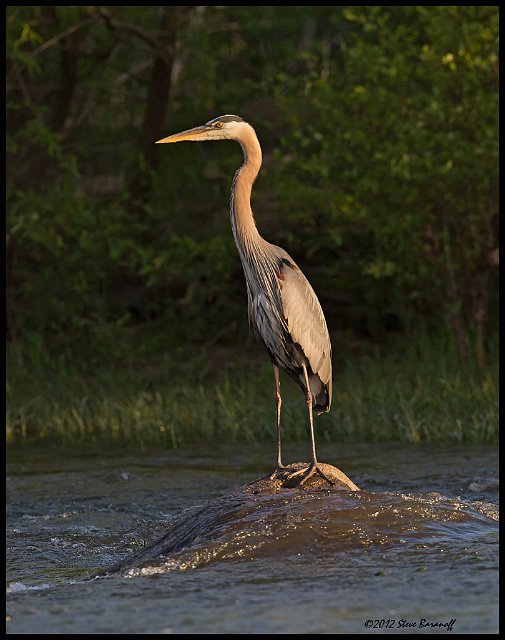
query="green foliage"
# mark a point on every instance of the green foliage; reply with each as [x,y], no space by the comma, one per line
[379,127]
[383,183]
[397,142]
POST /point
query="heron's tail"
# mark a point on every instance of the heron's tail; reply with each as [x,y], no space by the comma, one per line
[321,394]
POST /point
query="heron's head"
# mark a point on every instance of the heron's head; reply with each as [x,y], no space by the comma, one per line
[222,128]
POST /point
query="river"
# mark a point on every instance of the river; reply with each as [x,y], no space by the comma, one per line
[415,551]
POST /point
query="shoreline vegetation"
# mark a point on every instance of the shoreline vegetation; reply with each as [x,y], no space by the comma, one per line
[414,390]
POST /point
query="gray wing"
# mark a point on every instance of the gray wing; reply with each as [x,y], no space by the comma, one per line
[267,323]
[306,322]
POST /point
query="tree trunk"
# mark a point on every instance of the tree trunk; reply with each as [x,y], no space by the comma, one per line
[33,167]
[453,302]
[40,167]
[158,94]
[69,63]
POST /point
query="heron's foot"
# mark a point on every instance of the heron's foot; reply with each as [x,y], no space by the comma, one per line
[276,472]
[298,478]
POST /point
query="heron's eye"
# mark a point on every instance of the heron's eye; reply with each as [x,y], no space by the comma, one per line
[218,125]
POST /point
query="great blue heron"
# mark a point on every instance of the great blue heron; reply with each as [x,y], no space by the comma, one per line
[283,308]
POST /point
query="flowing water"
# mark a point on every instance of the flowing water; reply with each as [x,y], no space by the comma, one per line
[420,542]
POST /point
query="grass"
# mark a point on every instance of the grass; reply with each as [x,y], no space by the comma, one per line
[412,391]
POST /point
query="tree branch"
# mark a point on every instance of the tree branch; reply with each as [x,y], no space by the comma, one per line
[64,34]
[116,26]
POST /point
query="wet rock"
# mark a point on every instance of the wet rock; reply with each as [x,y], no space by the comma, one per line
[236,509]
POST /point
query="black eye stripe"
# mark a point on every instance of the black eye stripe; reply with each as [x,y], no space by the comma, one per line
[224,119]
[231,118]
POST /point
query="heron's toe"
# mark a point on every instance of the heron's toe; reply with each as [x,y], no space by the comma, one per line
[301,476]
[277,473]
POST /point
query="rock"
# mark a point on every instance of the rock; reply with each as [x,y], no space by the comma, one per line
[283,479]
[231,511]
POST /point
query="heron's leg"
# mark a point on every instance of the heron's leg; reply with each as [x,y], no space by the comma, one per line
[313,468]
[311,418]
[278,399]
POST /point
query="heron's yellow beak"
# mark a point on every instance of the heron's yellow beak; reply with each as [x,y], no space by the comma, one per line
[190,134]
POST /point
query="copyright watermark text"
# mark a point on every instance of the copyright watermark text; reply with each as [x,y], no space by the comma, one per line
[422,623]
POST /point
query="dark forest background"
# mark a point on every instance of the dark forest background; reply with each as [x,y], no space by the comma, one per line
[379,127]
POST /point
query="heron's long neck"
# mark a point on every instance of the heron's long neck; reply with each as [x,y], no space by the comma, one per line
[242,219]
